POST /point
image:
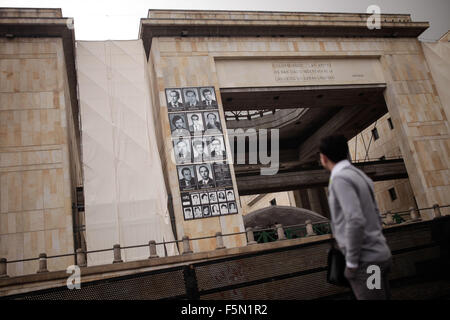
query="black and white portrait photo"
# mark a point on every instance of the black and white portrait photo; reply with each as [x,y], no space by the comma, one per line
[215,210]
[198,212]
[195,123]
[204,176]
[223,208]
[208,97]
[195,198]
[213,197]
[182,150]
[222,174]
[212,122]
[199,150]
[178,124]
[191,99]
[221,196]
[174,100]
[216,148]
[230,195]
[186,176]
[232,208]
[206,211]
[204,198]
[188,214]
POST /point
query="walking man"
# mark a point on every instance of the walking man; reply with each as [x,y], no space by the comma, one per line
[356,222]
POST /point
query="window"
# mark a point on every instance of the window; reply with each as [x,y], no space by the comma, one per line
[391,125]
[273,202]
[393,194]
[375,134]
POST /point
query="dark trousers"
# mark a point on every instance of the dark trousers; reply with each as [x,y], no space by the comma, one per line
[369,284]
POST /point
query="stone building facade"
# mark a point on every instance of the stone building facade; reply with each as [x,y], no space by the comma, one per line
[39,149]
[40,141]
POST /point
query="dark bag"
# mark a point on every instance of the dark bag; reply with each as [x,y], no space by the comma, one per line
[336,268]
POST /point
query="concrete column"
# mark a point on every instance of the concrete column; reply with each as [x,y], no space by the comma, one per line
[324,202]
[250,236]
[117,254]
[309,229]
[81,258]
[186,245]
[219,241]
[42,263]
[302,199]
[152,249]
[280,231]
[426,153]
[3,268]
[436,211]
[314,200]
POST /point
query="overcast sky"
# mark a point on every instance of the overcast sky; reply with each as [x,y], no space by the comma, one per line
[119,20]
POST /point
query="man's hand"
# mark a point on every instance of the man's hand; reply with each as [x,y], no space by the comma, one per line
[350,273]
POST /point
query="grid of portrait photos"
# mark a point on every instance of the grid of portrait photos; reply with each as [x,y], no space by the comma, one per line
[199,150]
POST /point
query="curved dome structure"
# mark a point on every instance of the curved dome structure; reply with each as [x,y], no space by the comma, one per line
[286,215]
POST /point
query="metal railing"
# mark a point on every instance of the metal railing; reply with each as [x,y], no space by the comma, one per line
[361,161]
[275,233]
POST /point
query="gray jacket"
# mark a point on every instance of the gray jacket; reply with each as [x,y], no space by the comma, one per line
[356,220]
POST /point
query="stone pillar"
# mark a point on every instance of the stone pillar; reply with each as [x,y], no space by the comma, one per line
[436,211]
[414,214]
[302,199]
[250,236]
[280,232]
[219,241]
[152,248]
[195,72]
[3,268]
[314,200]
[42,263]
[324,202]
[309,229]
[117,254]
[186,245]
[81,258]
[421,127]
[389,218]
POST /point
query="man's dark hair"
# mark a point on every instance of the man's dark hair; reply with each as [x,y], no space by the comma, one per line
[185,169]
[204,167]
[178,94]
[335,147]
[191,91]
[206,90]
[176,118]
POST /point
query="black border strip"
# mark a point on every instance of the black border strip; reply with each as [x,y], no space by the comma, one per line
[298,273]
[264,280]
[93,283]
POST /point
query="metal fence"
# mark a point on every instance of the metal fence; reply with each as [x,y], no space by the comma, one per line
[275,233]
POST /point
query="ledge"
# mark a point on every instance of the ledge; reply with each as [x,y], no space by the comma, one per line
[39,281]
[253,24]
[35,282]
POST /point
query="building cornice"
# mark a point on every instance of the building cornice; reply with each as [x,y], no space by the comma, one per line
[176,23]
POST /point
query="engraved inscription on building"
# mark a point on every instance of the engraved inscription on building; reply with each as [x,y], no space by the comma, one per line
[299,71]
